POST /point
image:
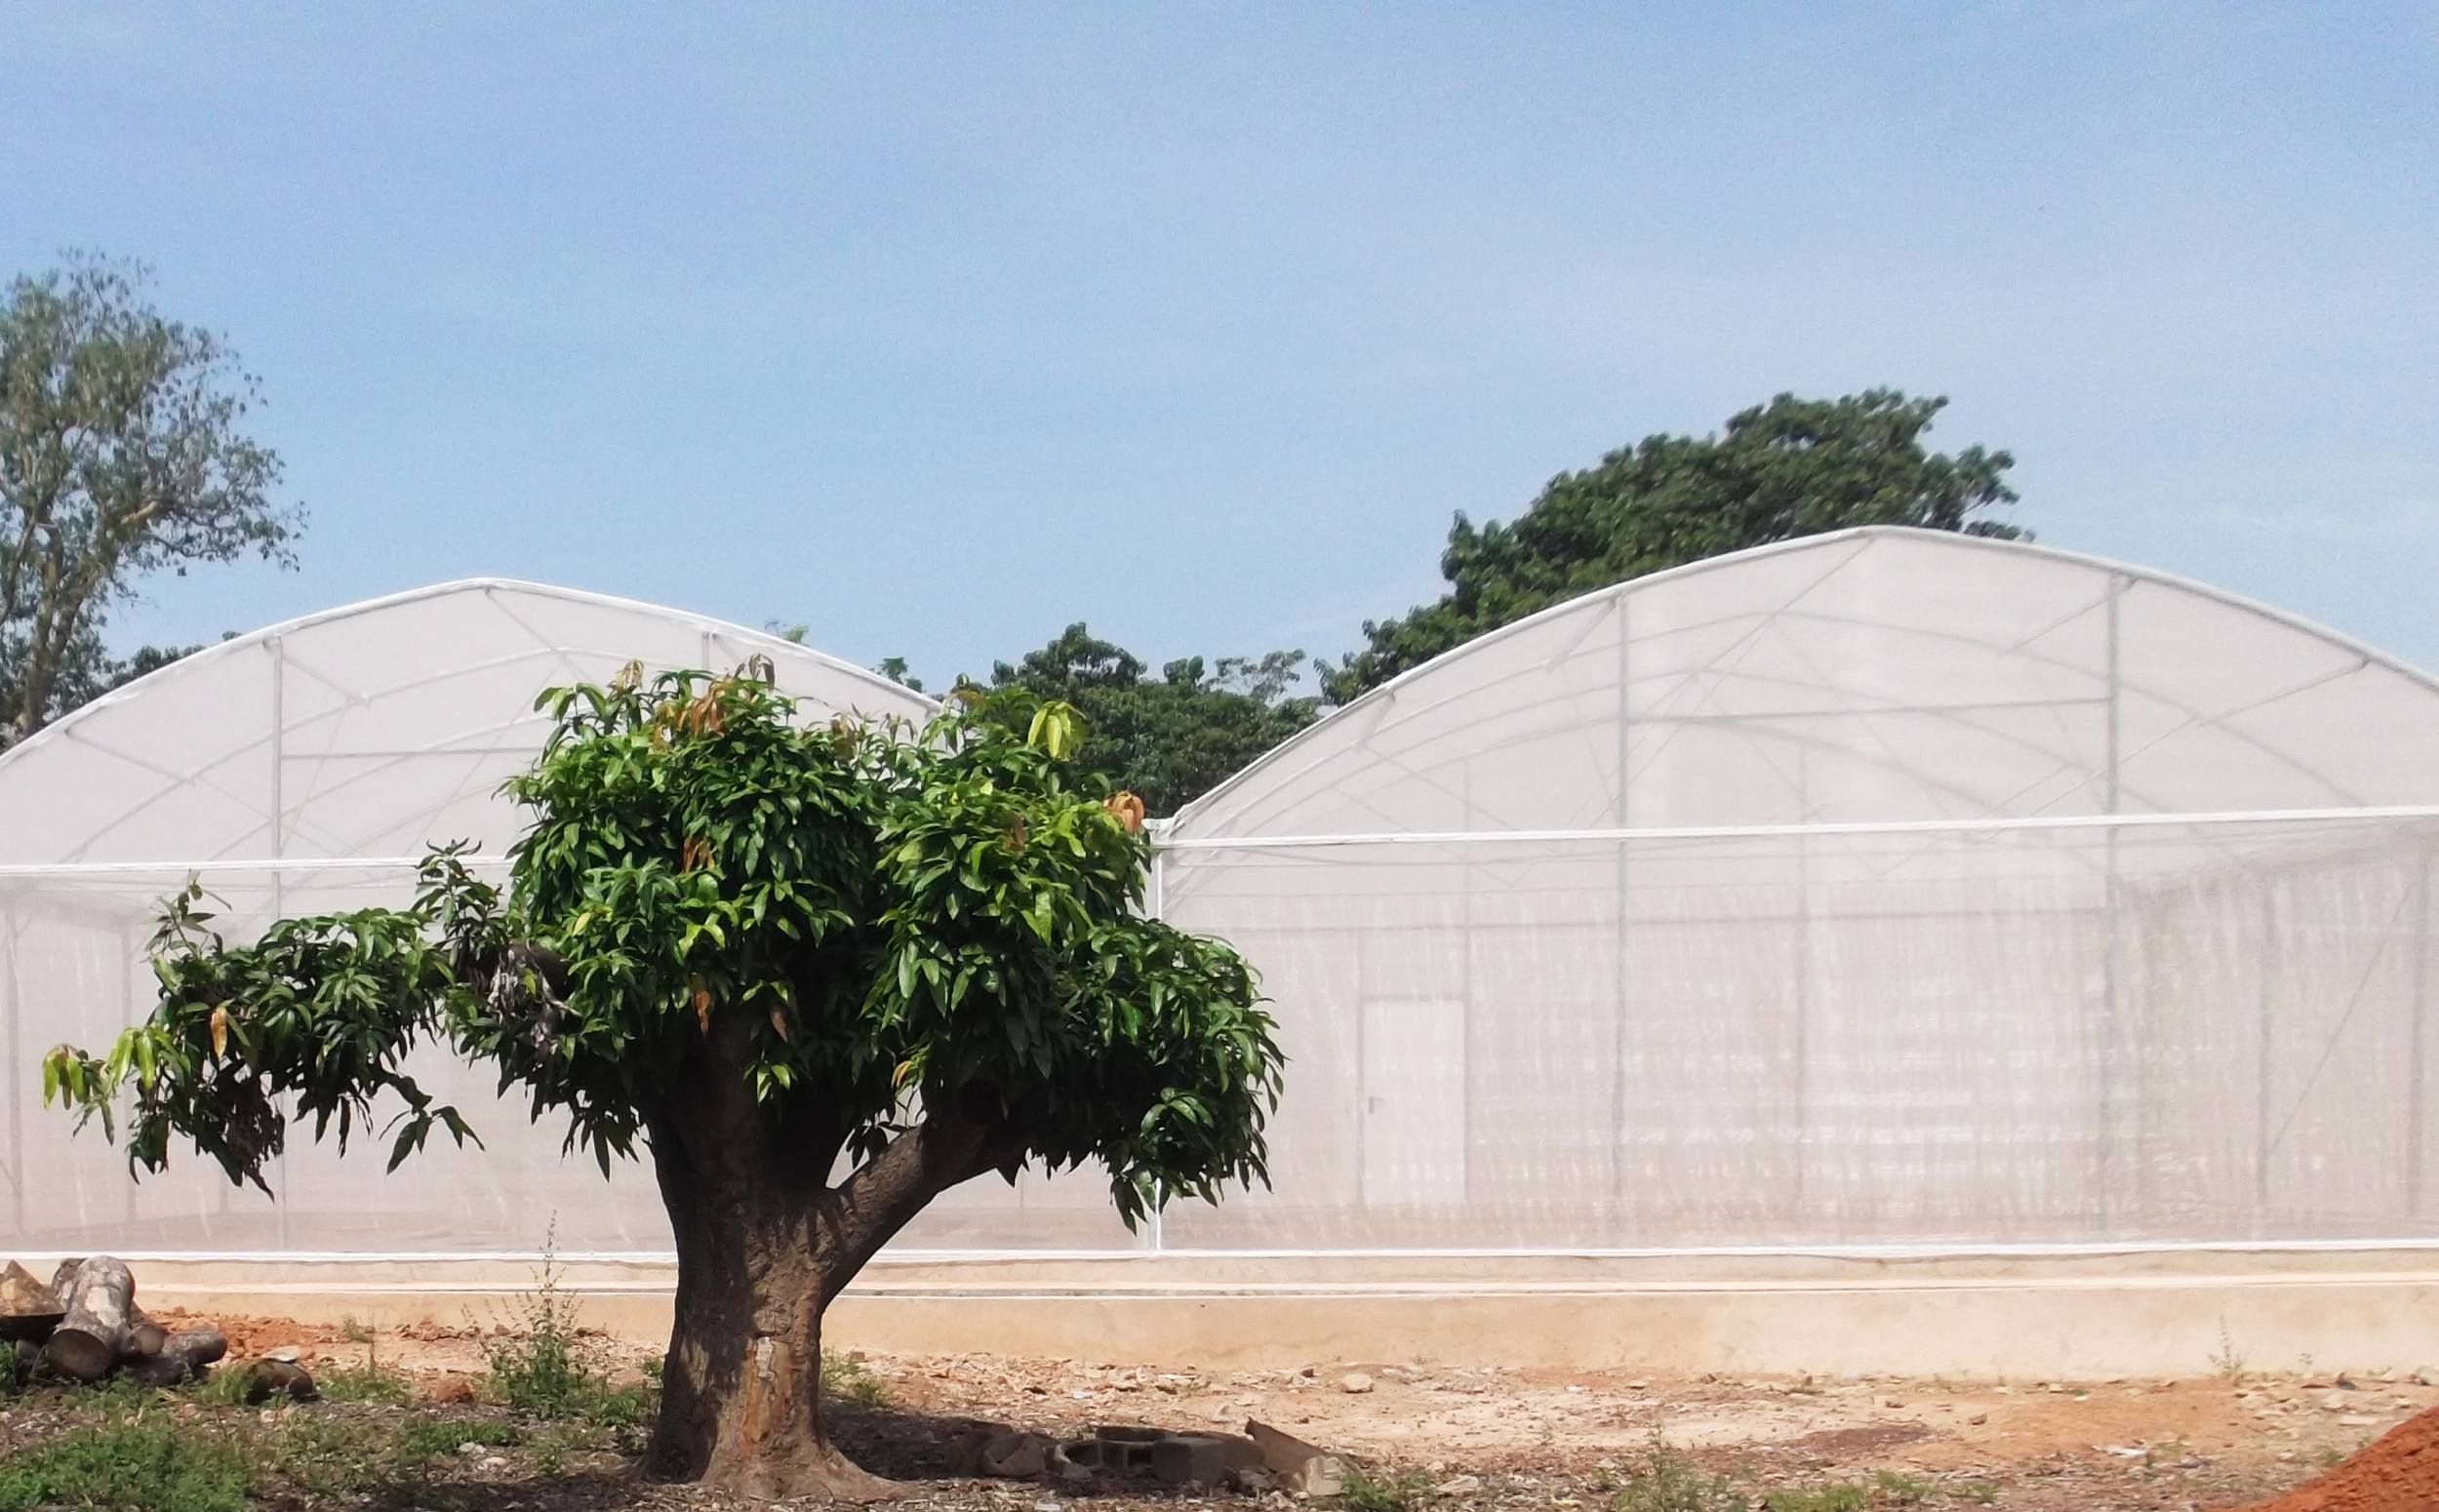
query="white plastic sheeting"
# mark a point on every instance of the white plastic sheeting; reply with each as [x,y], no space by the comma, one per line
[304,768]
[1882,888]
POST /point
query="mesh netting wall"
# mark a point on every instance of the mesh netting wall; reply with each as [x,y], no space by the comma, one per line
[1845,1038]
[1892,1039]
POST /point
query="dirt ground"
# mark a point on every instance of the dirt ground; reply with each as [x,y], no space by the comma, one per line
[1548,1438]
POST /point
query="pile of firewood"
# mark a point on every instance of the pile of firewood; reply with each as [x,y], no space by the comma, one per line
[87,1324]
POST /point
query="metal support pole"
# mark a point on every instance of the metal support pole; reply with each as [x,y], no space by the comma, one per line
[2417,1070]
[2107,1155]
[2264,971]
[279,852]
[17,1072]
[1803,1048]
[1618,1028]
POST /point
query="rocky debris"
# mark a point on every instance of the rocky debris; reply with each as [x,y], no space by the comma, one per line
[449,1390]
[1209,1461]
[1303,1470]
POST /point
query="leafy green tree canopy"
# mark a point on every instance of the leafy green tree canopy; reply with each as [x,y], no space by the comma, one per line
[120,454]
[819,975]
[1787,468]
[1168,738]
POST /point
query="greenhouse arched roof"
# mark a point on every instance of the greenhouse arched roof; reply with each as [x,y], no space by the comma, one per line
[1876,675]
[368,730]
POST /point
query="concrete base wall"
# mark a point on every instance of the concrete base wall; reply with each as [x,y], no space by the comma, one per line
[2081,1316]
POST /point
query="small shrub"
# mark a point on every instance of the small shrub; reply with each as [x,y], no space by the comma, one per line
[542,1368]
[1836,1497]
[1663,1479]
[620,1407]
[144,1464]
[425,1437]
[328,1455]
[1390,1493]
[368,1383]
[845,1376]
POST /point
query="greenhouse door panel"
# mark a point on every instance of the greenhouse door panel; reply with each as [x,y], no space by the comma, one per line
[1414,1101]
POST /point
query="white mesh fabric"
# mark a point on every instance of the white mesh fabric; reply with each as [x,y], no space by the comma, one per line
[362,734]
[1822,933]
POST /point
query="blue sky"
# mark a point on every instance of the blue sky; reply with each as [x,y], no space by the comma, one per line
[939,328]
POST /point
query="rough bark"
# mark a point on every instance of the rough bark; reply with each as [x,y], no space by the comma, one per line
[763,1245]
[101,1301]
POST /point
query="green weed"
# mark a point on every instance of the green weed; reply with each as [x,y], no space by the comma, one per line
[425,1437]
[1836,1497]
[845,1376]
[142,1464]
[1663,1479]
[368,1383]
[327,1456]
[1389,1493]
[2227,1359]
[542,1366]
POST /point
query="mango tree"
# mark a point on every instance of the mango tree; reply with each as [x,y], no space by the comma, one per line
[819,975]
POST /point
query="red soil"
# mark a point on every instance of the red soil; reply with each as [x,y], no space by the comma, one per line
[2396,1472]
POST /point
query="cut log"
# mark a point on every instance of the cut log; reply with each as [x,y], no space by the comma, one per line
[100,1311]
[182,1357]
[144,1335]
[28,1309]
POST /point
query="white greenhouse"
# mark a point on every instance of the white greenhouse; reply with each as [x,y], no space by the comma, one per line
[1883,890]
[304,769]
[1888,889]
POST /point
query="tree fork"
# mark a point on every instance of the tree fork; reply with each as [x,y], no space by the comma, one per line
[763,1246]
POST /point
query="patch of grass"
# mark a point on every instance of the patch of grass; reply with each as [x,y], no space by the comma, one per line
[328,1455]
[1836,1497]
[620,1407]
[1388,1494]
[144,1464]
[1663,1479]
[845,1376]
[367,1382]
[425,1437]
[1980,1492]
[223,1385]
[1895,1488]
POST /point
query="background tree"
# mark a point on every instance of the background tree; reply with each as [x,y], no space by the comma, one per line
[760,951]
[120,456]
[1787,468]
[1170,738]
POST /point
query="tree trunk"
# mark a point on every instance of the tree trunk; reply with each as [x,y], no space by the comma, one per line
[763,1245]
[101,1301]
